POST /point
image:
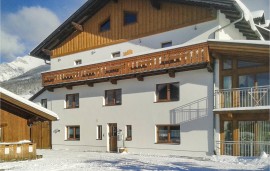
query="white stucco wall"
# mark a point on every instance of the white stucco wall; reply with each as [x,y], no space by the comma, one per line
[144,44]
[228,33]
[140,110]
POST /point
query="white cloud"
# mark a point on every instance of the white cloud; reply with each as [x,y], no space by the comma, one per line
[10,46]
[25,29]
[32,23]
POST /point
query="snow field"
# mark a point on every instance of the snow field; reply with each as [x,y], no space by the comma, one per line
[60,160]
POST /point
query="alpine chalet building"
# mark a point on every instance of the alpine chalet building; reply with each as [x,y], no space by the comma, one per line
[158,77]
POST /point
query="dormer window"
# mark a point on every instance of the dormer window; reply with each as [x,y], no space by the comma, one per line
[130,17]
[78,62]
[105,26]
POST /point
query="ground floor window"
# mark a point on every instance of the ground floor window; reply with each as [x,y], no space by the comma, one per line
[168,134]
[73,132]
[99,132]
[129,133]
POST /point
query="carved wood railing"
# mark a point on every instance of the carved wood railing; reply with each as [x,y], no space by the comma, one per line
[167,59]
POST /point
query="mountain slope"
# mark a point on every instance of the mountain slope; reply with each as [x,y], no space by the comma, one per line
[18,67]
[23,76]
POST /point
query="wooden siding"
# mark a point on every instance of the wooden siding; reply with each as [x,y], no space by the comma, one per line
[15,128]
[176,58]
[149,21]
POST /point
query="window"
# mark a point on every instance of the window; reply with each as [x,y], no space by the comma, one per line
[243,64]
[129,133]
[113,97]
[166,44]
[99,132]
[130,17]
[168,134]
[116,54]
[105,26]
[72,101]
[73,132]
[167,92]
[44,103]
[78,62]
[227,64]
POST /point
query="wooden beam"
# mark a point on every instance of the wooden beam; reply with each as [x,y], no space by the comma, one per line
[69,87]
[113,81]
[210,67]
[50,89]
[171,73]
[77,26]
[47,52]
[90,84]
[140,78]
[155,4]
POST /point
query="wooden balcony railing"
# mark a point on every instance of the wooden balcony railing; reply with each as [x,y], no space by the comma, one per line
[167,59]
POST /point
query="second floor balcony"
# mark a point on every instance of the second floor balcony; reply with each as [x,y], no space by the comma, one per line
[161,61]
[249,97]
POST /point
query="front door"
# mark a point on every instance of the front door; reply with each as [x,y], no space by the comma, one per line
[113,137]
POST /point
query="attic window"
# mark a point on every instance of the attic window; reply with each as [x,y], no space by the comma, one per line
[130,17]
[105,26]
[78,62]
[166,44]
[116,54]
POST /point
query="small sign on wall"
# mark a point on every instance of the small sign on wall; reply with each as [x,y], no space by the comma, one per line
[30,148]
[6,150]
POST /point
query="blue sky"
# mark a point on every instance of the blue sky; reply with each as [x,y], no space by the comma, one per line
[25,23]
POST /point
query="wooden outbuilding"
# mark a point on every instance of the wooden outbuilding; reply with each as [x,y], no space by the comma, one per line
[21,119]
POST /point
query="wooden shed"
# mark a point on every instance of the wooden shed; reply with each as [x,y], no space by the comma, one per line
[21,119]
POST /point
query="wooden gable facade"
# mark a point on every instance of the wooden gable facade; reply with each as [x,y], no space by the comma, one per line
[21,121]
[150,20]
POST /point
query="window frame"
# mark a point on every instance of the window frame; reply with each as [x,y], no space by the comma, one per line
[128,136]
[168,135]
[75,127]
[42,103]
[108,19]
[114,91]
[99,132]
[168,99]
[73,101]
[124,17]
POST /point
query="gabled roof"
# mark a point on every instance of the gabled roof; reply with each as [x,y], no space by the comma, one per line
[230,8]
[14,100]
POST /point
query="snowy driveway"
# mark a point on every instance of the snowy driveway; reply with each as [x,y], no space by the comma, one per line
[56,160]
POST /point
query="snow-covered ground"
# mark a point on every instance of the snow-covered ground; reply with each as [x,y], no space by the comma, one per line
[73,160]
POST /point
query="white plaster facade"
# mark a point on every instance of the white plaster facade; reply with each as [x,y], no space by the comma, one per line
[140,110]
[193,112]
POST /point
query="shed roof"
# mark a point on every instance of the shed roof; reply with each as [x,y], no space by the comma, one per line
[8,97]
[231,8]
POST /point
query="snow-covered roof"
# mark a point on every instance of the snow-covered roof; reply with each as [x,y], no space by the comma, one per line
[39,110]
[257,14]
[248,18]
[255,42]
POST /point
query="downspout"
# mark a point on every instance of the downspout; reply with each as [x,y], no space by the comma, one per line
[236,21]
[214,118]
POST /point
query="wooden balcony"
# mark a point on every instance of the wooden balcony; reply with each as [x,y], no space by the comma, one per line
[167,61]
